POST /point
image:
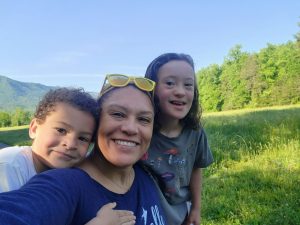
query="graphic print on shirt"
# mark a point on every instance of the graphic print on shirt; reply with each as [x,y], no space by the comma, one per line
[157,218]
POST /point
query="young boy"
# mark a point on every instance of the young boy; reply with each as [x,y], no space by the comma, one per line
[62,129]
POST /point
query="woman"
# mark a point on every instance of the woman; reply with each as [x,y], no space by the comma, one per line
[109,174]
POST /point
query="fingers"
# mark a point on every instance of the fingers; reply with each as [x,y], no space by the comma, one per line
[127,219]
[122,213]
[110,205]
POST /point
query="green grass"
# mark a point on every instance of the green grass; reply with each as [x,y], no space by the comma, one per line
[256,176]
[255,179]
[15,136]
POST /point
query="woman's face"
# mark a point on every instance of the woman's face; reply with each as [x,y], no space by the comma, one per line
[126,124]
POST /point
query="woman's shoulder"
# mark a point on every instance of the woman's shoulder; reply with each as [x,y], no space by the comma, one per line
[65,173]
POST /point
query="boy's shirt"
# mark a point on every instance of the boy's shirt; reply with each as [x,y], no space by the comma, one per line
[16,167]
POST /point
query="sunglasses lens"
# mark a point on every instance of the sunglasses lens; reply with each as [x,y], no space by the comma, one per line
[144,84]
[117,80]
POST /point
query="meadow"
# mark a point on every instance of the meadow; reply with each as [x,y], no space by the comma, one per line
[255,179]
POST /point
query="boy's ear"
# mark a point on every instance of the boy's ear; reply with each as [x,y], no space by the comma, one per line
[32,128]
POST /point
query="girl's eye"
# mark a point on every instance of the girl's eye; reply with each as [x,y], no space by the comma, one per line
[61,130]
[189,85]
[170,83]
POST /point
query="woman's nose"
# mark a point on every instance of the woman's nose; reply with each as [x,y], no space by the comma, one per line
[130,127]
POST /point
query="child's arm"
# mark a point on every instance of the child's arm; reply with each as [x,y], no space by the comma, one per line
[108,216]
[196,188]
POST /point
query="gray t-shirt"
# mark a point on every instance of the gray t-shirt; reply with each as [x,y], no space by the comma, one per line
[171,161]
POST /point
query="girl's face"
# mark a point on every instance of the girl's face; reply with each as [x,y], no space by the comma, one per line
[175,89]
[126,124]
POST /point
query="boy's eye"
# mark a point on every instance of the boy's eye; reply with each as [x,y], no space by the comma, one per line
[84,139]
[61,130]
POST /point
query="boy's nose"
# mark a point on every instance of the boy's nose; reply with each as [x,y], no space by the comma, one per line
[70,143]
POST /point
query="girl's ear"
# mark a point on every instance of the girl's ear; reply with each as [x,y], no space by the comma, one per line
[32,128]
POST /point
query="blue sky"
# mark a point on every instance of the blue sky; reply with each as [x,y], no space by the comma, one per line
[77,42]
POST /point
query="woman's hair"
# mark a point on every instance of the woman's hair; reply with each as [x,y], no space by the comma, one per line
[104,94]
[192,119]
[76,97]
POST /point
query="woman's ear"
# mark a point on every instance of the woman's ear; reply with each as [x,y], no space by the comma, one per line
[32,128]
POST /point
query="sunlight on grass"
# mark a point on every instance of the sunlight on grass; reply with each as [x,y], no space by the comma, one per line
[263,189]
[256,175]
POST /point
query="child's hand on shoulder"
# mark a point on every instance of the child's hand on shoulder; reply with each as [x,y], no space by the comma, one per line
[106,215]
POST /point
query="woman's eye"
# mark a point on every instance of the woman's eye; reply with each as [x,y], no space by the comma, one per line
[145,120]
[117,114]
[61,130]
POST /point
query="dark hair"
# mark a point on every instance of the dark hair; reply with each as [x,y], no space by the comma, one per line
[192,119]
[76,97]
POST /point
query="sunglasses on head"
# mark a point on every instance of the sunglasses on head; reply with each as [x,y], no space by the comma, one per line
[120,80]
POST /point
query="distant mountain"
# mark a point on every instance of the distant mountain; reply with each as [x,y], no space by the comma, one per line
[24,95]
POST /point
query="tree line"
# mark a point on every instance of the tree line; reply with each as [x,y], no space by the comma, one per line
[15,118]
[269,77]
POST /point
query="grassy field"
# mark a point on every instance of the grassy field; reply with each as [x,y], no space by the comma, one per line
[255,179]
[15,135]
[256,175]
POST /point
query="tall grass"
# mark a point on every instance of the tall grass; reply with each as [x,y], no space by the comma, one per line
[256,175]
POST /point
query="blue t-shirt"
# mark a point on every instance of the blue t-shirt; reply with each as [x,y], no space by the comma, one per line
[71,196]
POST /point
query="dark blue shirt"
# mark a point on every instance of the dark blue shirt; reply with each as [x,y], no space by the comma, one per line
[71,196]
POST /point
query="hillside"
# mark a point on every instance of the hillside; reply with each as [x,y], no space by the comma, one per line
[15,94]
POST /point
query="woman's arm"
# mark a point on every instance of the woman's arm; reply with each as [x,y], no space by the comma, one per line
[46,199]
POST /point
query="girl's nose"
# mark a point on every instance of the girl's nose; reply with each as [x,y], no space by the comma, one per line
[179,90]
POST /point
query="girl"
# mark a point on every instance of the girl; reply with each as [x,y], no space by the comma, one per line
[179,147]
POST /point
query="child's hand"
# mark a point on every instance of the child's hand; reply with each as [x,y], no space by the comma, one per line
[193,218]
[108,216]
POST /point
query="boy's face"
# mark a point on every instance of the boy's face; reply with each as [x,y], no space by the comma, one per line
[62,140]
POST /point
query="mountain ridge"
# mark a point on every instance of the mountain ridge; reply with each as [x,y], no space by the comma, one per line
[16,94]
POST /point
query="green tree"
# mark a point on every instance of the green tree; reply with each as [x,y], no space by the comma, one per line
[209,88]
[4,119]
[233,88]
[20,117]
